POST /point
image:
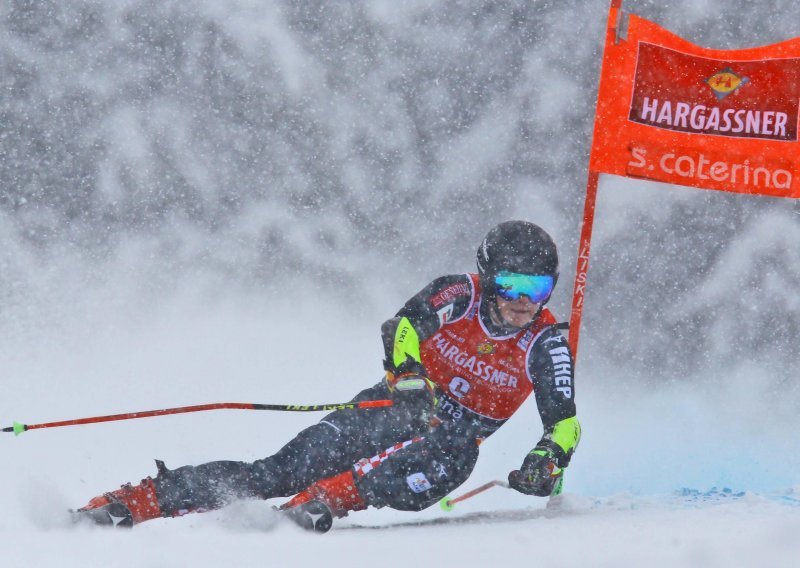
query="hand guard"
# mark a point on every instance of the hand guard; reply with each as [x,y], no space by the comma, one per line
[412,390]
[539,474]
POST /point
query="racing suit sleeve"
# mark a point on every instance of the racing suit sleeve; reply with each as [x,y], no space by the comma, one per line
[551,367]
[445,299]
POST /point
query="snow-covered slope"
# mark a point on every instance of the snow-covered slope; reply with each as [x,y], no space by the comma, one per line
[628,501]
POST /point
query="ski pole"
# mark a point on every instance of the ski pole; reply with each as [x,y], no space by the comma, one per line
[447,504]
[18,428]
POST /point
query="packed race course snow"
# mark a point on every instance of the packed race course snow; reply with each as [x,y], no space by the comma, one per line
[680,476]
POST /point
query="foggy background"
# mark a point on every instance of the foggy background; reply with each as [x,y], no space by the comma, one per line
[356,150]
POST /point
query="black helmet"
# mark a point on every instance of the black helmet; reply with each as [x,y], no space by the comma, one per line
[516,246]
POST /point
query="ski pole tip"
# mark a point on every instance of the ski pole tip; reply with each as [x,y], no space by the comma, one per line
[446,504]
[18,428]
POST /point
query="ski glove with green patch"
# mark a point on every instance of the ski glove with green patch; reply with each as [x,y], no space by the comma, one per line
[539,475]
[542,470]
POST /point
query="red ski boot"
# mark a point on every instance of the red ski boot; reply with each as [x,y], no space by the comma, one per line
[125,507]
[314,508]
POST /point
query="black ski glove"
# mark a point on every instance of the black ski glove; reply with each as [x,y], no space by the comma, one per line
[539,474]
[412,390]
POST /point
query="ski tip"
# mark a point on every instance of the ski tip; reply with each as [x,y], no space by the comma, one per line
[446,504]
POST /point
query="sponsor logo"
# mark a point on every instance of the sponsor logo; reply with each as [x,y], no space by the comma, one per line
[525,341]
[449,294]
[441,471]
[447,406]
[724,82]
[403,333]
[459,387]
[662,164]
[466,362]
[581,276]
[702,119]
[558,338]
[116,520]
[410,384]
[688,93]
[485,348]
[418,482]
[445,314]
[454,336]
[562,367]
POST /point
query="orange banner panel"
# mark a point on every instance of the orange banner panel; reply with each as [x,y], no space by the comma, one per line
[675,112]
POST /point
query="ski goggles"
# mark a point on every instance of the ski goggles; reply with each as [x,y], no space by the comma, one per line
[510,286]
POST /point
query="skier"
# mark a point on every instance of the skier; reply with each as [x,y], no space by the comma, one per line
[462,356]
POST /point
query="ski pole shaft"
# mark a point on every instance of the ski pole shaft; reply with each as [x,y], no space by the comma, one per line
[18,428]
[448,504]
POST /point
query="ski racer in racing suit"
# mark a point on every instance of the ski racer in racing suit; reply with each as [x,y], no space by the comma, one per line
[462,356]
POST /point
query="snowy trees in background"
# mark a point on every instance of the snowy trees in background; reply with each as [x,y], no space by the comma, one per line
[259,141]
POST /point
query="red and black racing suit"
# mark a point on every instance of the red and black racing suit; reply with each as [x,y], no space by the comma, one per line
[483,374]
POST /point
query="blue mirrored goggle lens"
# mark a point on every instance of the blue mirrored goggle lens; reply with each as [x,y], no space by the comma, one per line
[510,286]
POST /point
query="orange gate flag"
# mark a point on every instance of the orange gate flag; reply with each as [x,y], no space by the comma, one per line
[674,112]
